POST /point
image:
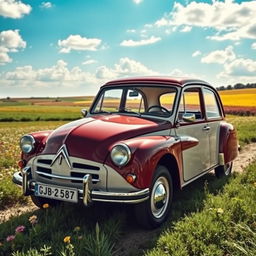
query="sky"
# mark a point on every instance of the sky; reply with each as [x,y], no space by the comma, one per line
[72,47]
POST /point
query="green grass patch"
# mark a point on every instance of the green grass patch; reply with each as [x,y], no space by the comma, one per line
[10,134]
[64,230]
[223,224]
[246,128]
[39,113]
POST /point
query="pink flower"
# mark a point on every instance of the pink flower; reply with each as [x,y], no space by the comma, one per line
[20,229]
[10,238]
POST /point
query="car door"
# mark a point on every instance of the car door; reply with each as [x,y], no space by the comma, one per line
[193,123]
[214,117]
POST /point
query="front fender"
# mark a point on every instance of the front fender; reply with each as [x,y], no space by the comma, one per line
[40,138]
[146,153]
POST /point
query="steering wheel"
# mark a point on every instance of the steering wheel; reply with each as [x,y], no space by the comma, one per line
[160,108]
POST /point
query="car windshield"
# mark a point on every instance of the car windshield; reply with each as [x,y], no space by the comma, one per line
[138,100]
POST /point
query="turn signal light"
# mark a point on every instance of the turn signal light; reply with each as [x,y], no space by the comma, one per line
[21,164]
[131,178]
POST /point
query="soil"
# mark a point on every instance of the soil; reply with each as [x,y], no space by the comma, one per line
[132,242]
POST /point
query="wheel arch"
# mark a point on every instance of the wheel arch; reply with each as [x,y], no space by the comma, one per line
[170,162]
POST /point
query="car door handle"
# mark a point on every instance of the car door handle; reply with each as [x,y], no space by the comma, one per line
[206,128]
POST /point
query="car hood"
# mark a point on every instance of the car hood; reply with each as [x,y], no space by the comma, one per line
[90,138]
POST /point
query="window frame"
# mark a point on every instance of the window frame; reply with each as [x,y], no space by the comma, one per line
[217,102]
[202,106]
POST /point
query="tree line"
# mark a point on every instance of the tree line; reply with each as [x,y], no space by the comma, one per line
[237,86]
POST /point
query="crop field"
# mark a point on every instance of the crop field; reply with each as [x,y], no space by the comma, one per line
[238,102]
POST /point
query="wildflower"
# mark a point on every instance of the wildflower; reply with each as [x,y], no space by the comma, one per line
[77,229]
[10,238]
[45,206]
[20,229]
[220,210]
[33,219]
[67,239]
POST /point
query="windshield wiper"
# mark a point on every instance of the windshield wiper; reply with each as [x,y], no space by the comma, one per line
[102,112]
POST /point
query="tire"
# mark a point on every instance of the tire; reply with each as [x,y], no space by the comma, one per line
[154,211]
[224,170]
[40,201]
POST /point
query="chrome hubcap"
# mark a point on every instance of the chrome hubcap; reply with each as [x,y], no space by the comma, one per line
[160,197]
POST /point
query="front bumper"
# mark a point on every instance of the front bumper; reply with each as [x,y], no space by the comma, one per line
[87,194]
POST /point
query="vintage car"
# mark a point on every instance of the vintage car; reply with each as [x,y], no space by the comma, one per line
[141,139]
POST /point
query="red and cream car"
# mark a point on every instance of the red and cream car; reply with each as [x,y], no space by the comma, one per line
[141,139]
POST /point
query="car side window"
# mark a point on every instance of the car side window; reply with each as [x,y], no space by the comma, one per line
[211,104]
[166,100]
[190,108]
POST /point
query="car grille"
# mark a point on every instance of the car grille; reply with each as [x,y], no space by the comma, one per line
[44,169]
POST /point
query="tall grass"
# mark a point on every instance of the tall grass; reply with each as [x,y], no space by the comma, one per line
[224,225]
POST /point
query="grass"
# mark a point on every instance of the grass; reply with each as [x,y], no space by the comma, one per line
[206,217]
[10,155]
[39,113]
[76,230]
[224,223]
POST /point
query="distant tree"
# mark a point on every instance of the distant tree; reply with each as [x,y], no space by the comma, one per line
[221,88]
[229,87]
[8,98]
[239,86]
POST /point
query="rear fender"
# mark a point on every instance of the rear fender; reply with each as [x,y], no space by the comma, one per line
[228,144]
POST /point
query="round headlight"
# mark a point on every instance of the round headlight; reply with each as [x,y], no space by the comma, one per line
[120,154]
[27,144]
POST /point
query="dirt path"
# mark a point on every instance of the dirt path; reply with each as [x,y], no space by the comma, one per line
[137,237]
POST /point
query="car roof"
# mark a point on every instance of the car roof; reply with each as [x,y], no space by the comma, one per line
[163,80]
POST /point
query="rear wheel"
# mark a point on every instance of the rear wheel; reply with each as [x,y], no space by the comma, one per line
[153,212]
[40,201]
[224,170]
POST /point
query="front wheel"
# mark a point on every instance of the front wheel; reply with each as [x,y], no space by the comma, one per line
[224,170]
[153,212]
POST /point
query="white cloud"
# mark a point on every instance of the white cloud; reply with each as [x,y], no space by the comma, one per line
[10,41]
[78,43]
[14,9]
[179,73]
[254,46]
[125,67]
[220,56]
[186,29]
[137,1]
[59,73]
[240,68]
[46,5]
[231,20]
[131,30]
[196,53]
[133,43]
[88,62]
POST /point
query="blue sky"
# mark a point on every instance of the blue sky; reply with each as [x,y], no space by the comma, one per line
[72,47]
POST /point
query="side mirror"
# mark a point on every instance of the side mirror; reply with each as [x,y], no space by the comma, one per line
[84,112]
[189,117]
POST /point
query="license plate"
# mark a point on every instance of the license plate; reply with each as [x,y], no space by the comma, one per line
[58,193]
